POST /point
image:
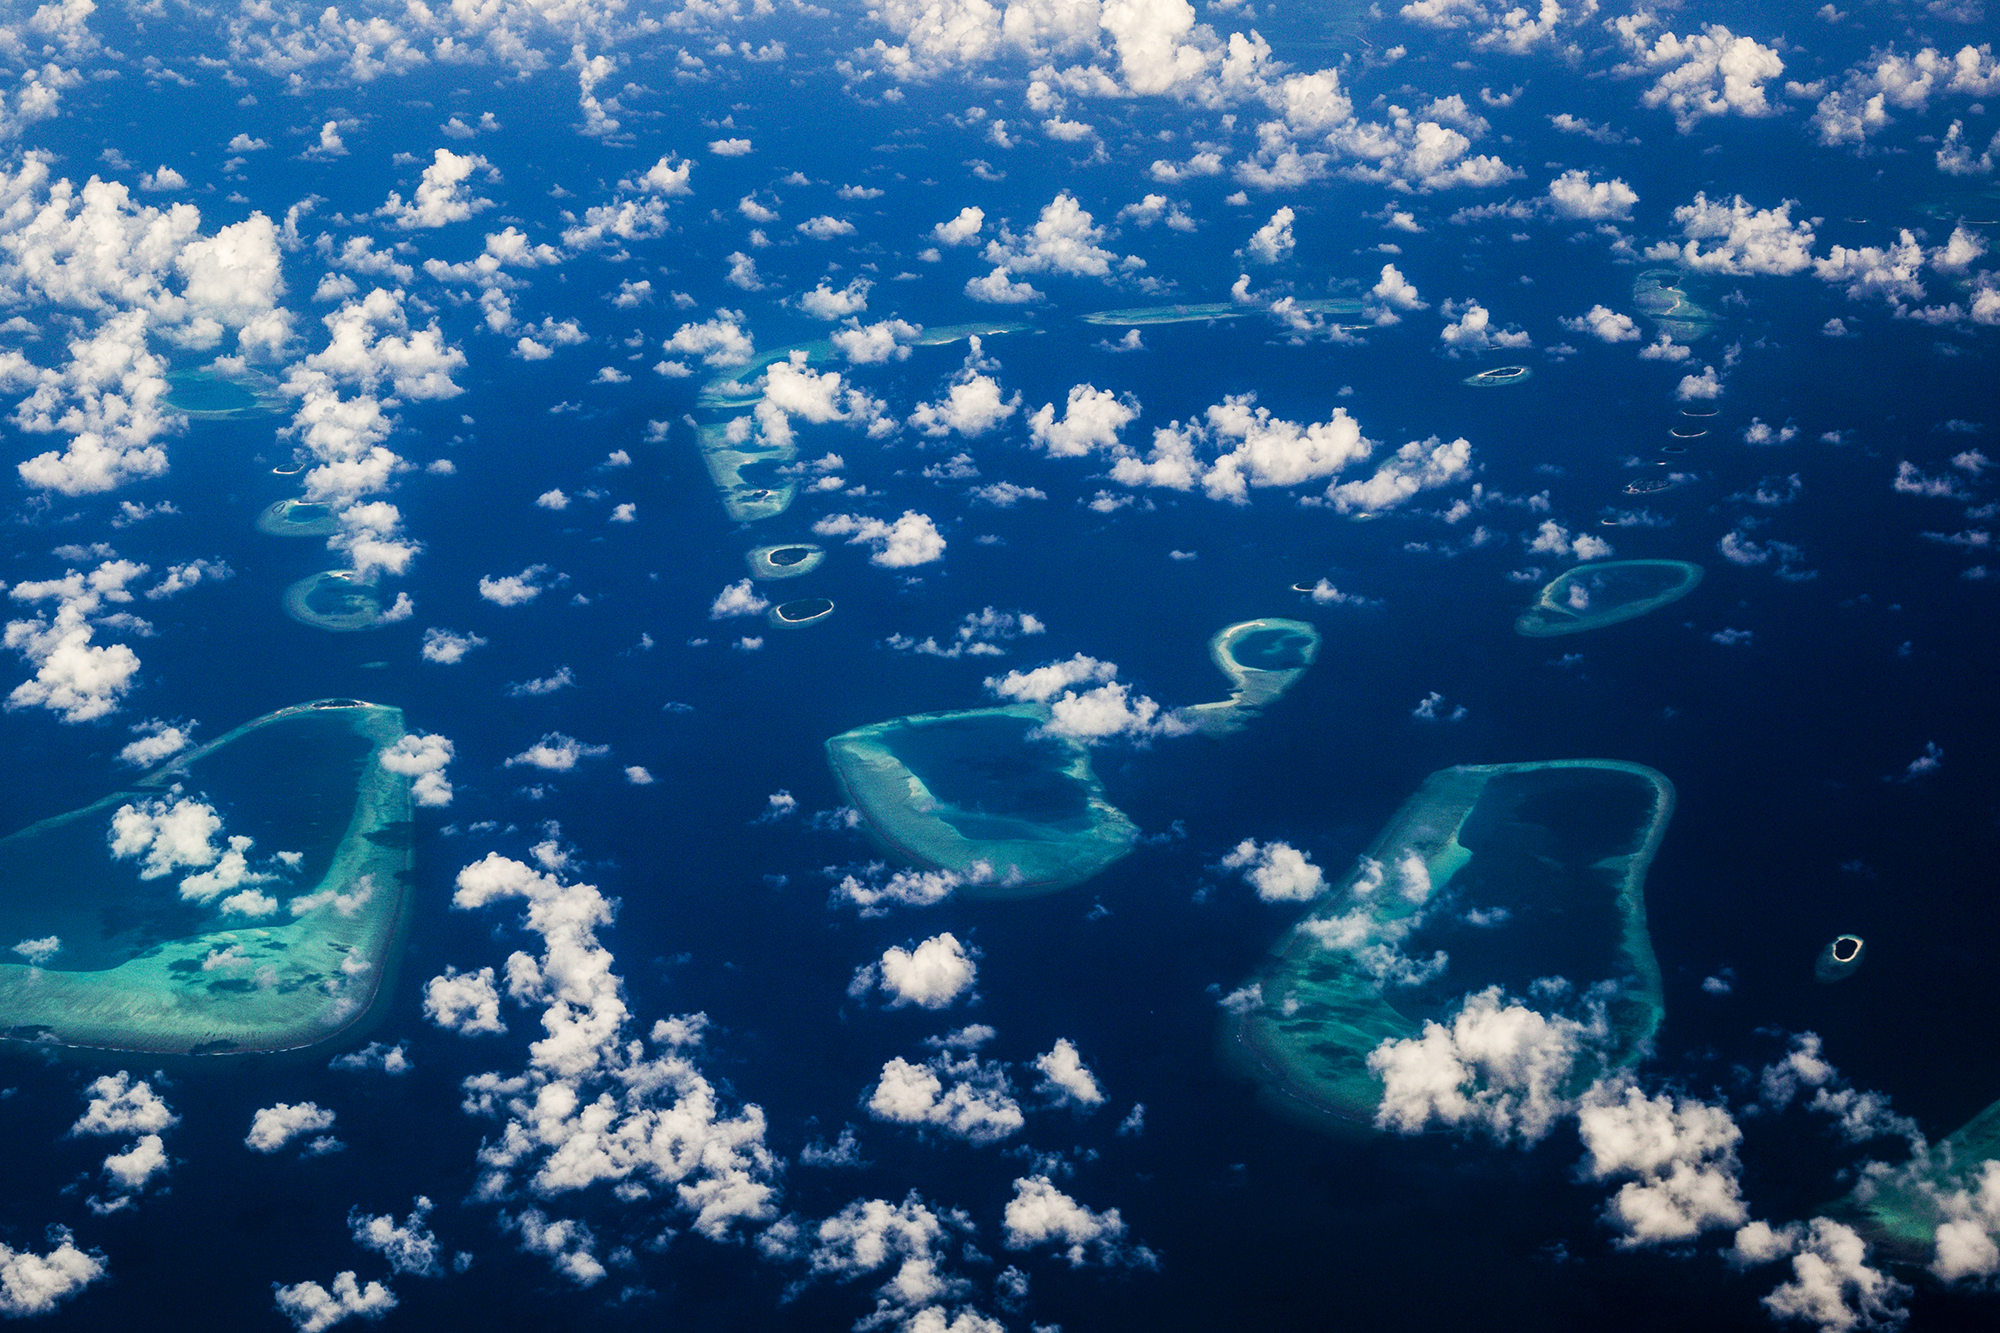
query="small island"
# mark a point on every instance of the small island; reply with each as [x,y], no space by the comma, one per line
[986,795]
[1263,659]
[798,614]
[1204,311]
[1499,375]
[1593,596]
[1839,960]
[298,518]
[304,952]
[784,562]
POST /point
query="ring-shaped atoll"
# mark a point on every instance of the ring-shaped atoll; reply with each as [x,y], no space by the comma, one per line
[1840,959]
[298,518]
[1499,375]
[1651,485]
[800,613]
[786,561]
[1605,593]
[1562,846]
[1262,659]
[283,937]
[338,599]
[988,796]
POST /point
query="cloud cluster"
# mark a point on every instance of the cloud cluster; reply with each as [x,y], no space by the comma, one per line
[422,759]
[594,1103]
[1041,1214]
[954,1092]
[77,679]
[932,974]
[1087,702]
[1679,1154]
[1278,871]
[911,540]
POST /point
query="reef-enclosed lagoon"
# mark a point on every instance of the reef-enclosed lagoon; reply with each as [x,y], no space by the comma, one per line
[1262,659]
[985,795]
[248,896]
[297,518]
[1497,874]
[1605,593]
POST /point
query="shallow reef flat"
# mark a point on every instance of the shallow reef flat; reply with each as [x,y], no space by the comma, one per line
[1562,845]
[1499,377]
[337,600]
[1661,295]
[1900,1208]
[297,518]
[1593,596]
[985,795]
[1263,660]
[135,965]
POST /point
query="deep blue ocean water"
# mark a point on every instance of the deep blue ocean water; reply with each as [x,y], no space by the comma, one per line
[1789,828]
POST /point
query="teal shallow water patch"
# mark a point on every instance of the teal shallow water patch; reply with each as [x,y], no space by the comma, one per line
[1606,593]
[140,963]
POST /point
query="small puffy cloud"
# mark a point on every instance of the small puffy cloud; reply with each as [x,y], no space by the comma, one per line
[874,888]
[1041,1214]
[1392,293]
[557,753]
[719,341]
[1604,324]
[35,1284]
[911,540]
[1473,331]
[932,974]
[1065,1079]
[410,1246]
[120,1105]
[1574,195]
[442,195]
[824,302]
[1278,871]
[391,1060]
[313,1308]
[467,1003]
[973,405]
[825,228]
[999,288]
[167,833]
[1832,1285]
[1091,421]
[508,590]
[1699,388]
[958,1095]
[873,344]
[1273,242]
[738,599]
[157,741]
[1065,240]
[1497,1065]
[961,230]
[1552,538]
[422,759]
[446,647]
[132,1169]
[1420,465]
[729,148]
[275,1126]
[1680,1155]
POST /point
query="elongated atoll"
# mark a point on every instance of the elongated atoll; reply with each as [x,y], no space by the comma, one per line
[786,561]
[298,518]
[1263,659]
[1498,376]
[748,467]
[1203,311]
[1543,866]
[282,938]
[1605,593]
[985,795]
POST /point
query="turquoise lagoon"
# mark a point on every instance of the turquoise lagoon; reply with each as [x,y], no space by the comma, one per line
[337,600]
[985,795]
[1562,846]
[140,967]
